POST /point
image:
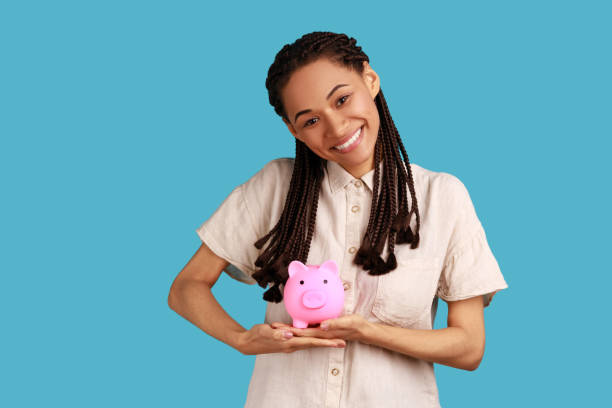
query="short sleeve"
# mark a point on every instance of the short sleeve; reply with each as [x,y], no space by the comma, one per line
[229,233]
[247,214]
[469,269]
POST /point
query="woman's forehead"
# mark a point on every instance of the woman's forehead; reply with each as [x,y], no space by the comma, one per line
[312,83]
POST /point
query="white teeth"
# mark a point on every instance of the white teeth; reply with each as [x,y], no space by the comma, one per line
[349,142]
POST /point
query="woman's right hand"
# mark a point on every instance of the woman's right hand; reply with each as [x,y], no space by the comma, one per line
[263,338]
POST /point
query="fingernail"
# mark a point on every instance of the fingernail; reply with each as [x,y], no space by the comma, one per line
[288,335]
[324,326]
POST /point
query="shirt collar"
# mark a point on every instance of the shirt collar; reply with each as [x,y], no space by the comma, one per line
[338,177]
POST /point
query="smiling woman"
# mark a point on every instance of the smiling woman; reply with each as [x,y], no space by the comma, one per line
[343,121]
[325,83]
[351,195]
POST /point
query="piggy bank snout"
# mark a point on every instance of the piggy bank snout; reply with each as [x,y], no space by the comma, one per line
[314,299]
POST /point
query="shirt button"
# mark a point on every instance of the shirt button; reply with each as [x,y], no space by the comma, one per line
[355,208]
[335,371]
[358,183]
[346,285]
[352,250]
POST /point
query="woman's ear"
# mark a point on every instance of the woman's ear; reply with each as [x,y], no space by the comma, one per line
[371,78]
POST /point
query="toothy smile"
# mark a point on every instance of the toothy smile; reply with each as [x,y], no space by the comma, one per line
[349,142]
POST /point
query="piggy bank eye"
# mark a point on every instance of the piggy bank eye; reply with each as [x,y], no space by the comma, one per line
[325,281]
[301,282]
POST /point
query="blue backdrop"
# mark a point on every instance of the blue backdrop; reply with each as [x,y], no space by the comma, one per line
[125,124]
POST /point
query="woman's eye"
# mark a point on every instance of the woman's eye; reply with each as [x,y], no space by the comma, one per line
[309,122]
[343,99]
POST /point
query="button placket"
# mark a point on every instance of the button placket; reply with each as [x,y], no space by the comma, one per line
[353,220]
[334,378]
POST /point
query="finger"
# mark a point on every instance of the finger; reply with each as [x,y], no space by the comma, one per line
[282,335]
[323,334]
[342,322]
[308,342]
[332,324]
[278,325]
[316,341]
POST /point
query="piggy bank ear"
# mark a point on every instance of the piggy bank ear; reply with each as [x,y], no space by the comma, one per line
[330,266]
[295,267]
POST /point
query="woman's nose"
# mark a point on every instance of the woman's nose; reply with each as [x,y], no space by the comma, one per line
[337,125]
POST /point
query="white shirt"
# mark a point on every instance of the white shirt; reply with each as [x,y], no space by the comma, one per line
[453,262]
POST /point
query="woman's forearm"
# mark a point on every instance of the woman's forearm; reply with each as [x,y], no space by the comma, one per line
[450,346]
[194,301]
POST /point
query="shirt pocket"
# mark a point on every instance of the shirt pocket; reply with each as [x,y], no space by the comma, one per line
[406,293]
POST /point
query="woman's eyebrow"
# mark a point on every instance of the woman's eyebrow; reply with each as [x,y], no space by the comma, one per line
[328,96]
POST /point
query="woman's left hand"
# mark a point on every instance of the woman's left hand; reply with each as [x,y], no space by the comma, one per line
[349,327]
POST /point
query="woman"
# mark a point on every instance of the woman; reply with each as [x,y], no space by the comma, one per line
[402,236]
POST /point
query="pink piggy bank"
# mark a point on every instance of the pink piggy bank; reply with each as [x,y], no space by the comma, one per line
[313,293]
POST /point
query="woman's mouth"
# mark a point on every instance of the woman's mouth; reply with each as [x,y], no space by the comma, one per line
[350,144]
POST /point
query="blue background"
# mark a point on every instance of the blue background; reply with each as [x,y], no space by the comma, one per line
[125,124]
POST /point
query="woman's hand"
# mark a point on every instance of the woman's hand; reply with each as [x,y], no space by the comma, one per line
[349,327]
[265,338]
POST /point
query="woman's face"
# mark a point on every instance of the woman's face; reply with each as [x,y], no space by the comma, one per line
[332,110]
